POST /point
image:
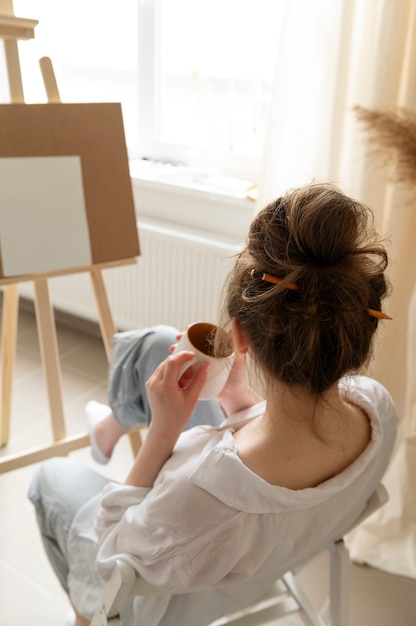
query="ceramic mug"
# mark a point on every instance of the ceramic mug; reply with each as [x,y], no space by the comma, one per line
[199,338]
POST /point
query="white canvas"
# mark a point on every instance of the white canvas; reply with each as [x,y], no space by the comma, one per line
[43,222]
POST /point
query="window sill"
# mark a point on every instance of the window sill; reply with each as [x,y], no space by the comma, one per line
[191,198]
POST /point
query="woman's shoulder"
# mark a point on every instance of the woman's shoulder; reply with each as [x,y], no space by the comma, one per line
[376,401]
[369,393]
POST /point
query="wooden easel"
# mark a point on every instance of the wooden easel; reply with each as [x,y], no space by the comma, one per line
[13,29]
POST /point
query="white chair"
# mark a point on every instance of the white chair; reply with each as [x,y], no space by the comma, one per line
[286,596]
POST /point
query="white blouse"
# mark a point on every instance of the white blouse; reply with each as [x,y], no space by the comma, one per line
[209,520]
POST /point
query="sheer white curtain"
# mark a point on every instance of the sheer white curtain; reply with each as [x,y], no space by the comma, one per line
[332,55]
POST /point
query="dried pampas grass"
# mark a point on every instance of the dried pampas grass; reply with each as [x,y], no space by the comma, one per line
[392,138]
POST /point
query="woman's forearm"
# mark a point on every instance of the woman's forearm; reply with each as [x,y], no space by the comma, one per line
[153,454]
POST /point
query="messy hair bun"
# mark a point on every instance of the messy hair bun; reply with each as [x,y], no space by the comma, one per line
[313,327]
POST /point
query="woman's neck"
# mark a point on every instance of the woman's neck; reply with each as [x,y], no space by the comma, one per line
[301,440]
[297,408]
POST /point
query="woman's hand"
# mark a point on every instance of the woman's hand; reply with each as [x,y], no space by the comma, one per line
[178,338]
[172,397]
[187,375]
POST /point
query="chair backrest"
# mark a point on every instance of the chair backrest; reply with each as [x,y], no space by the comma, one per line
[284,598]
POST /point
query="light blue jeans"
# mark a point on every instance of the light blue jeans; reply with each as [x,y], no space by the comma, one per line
[61,486]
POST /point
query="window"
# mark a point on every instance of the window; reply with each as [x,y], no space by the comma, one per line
[205,90]
[93,48]
[194,77]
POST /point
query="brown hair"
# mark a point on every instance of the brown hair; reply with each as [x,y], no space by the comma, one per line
[324,243]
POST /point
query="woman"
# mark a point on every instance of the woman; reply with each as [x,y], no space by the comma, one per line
[234,503]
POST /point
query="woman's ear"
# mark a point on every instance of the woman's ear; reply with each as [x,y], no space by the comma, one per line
[238,336]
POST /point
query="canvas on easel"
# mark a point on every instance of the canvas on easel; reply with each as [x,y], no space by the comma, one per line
[48,151]
[65,192]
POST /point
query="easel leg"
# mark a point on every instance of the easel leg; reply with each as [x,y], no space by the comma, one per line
[8,353]
[13,70]
[50,358]
[108,329]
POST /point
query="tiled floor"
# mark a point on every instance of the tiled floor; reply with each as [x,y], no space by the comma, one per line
[30,595]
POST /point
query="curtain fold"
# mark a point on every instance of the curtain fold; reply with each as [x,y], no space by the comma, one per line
[333,55]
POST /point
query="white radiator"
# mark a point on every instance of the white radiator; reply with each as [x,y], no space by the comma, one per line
[177,279]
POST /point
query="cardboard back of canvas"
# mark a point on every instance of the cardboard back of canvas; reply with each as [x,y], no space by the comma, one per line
[65,188]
